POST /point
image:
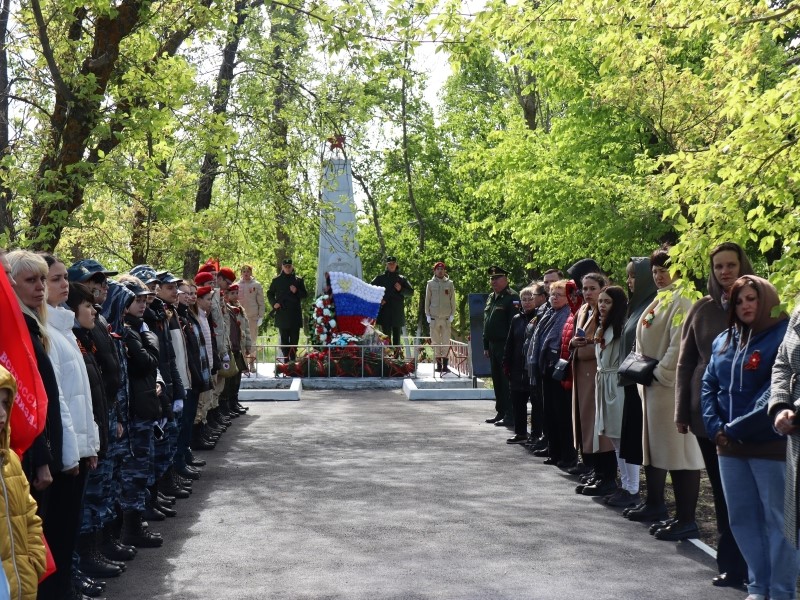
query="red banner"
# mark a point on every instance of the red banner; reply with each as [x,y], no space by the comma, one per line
[29,413]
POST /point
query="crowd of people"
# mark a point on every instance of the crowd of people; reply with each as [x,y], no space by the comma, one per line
[141,372]
[715,389]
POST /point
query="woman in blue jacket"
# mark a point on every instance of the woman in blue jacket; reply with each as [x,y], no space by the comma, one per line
[751,454]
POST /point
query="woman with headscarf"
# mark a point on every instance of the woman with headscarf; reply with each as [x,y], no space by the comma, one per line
[663,448]
[642,290]
[705,321]
[752,455]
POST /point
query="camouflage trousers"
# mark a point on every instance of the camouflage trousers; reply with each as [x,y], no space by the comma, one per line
[137,469]
[103,484]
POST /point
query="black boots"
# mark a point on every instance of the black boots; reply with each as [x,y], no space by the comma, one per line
[134,534]
[92,562]
[112,548]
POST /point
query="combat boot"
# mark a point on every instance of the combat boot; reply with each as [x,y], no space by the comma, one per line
[187,472]
[91,561]
[111,548]
[134,534]
[168,486]
[438,368]
[193,461]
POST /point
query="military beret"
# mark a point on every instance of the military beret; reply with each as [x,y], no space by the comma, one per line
[439,264]
[204,290]
[234,288]
[227,273]
[203,277]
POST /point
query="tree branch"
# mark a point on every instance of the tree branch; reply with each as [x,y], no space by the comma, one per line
[47,50]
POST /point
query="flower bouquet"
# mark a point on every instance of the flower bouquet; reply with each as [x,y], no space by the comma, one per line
[347,345]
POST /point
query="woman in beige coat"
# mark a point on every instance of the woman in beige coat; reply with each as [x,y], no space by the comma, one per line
[597,451]
[665,449]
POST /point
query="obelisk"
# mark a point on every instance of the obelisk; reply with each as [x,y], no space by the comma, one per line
[338,248]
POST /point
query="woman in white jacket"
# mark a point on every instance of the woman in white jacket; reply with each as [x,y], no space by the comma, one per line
[66,500]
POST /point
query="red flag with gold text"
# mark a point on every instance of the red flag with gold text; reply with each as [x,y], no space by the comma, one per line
[29,412]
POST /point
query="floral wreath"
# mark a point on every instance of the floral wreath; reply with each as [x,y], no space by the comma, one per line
[323,320]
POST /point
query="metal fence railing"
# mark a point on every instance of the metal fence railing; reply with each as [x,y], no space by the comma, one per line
[416,357]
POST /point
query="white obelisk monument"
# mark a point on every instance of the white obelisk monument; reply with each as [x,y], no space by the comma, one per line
[338,248]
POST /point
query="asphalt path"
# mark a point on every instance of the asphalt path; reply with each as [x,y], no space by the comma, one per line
[363,494]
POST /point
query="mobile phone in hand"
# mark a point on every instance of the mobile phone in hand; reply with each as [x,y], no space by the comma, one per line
[580,333]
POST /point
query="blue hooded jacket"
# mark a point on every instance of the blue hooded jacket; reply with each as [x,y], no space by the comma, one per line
[735,387]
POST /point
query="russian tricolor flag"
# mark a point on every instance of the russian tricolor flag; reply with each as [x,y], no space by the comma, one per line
[355,301]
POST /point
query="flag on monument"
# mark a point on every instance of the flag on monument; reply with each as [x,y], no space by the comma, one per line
[29,413]
[355,301]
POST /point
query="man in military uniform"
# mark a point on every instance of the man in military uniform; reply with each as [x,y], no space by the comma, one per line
[440,308]
[392,315]
[501,306]
[285,293]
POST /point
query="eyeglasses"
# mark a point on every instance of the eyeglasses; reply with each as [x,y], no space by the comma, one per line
[527,299]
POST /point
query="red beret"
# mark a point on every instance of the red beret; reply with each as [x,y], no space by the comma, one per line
[439,264]
[203,277]
[227,273]
[206,269]
[233,288]
[204,290]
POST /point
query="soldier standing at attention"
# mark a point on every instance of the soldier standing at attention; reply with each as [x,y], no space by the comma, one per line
[392,315]
[285,293]
[440,308]
[501,306]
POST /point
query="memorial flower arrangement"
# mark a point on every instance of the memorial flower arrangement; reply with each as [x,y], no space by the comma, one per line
[323,320]
[340,326]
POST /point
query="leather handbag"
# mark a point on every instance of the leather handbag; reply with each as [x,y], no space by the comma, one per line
[636,368]
[561,368]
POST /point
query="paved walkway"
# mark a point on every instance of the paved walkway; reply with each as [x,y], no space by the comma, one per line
[351,495]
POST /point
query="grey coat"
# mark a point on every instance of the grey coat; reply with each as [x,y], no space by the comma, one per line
[786,394]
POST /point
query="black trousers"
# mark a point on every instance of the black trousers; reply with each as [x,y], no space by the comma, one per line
[290,337]
[61,524]
[537,411]
[519,402]
[558,420]
[729,557]
[502,397]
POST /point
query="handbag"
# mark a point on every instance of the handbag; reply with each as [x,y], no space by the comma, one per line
[228,368]
[561,368]
[636,368]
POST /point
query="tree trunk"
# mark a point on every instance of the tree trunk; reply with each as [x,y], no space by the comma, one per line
[222,93]
[6,195]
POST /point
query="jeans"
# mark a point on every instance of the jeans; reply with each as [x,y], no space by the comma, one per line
[754,491]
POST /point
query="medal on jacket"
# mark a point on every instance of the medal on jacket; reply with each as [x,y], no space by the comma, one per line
[753,362]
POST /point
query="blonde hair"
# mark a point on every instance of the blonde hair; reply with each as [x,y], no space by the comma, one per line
[561,284]
[24,261]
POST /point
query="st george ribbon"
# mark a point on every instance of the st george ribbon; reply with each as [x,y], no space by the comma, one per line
[338,248]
